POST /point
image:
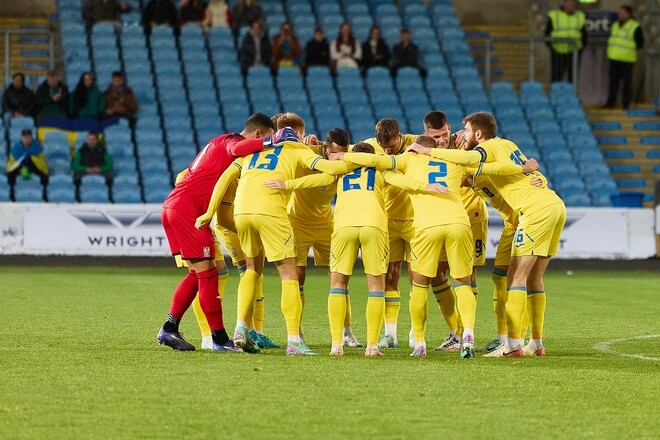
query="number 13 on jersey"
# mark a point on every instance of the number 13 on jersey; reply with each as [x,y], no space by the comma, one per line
[267,159]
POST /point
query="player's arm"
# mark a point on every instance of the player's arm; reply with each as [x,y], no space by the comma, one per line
[378,161]
[311,181]
[232,173]
[180,176]
[246,147]
[406,182]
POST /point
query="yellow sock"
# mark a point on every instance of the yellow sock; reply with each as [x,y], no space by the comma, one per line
[247,288]
[223,276]
[516,306]
[526,319]
[375,314]
[291,308]
[419,310]
[475,292]
[301,290]
[392,306]
[466,304]
[536,311]
[348,314]
[336,313]
[444,296]
[201,318]
[259,306]
[499,299]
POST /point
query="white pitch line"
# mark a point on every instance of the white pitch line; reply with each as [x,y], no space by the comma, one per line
[605,347]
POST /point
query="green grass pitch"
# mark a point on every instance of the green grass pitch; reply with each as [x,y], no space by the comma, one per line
[78,359]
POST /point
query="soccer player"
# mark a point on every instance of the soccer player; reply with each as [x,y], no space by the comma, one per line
[437,126]
[542,215]
[390,140]
[311,216]
[185,202]
[264,228]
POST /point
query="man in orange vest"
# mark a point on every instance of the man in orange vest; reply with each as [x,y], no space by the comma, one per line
[565,22]
[626,38]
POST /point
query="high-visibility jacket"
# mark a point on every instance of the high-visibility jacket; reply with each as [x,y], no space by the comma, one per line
[621,45]
[566,26]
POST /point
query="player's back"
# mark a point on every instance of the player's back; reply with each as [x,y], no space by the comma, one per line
[516,189]
[197,184]
[361,200]
[485,189]
[252,197]
[432,209]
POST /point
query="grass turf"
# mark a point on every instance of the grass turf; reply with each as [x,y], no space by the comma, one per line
[78,359]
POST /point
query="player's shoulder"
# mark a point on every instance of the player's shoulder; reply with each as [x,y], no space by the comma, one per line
[409,139]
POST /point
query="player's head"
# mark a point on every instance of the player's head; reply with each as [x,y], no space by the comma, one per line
[275,117]
[363,147]
[292,120]
[337,140]
[426,141]
[437,126]
[479,127]
[388,135]
[258,125]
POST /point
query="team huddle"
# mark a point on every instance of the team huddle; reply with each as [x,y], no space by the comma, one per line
[419,199]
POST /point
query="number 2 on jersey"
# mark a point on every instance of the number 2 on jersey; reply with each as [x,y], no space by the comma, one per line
[438,176]
[269,161]
[357,174]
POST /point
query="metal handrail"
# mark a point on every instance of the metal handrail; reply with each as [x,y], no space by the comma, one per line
[532,49]
[7,37]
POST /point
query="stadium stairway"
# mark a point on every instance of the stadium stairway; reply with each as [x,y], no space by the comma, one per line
[509,59]
[630,141]
[29,53]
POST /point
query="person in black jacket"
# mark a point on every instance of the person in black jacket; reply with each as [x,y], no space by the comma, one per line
[52,97]
[158,13]
[17,100]
[255,49]
[375,51]
[317,50]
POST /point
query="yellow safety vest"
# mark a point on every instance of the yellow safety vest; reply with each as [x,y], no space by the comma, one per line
[566,26]
[621,45]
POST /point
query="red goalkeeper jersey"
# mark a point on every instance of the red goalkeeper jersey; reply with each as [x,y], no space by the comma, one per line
[193,192]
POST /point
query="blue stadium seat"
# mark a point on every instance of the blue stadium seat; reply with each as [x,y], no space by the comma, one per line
[122,196]
[156,195]
[94,195]
[61,195]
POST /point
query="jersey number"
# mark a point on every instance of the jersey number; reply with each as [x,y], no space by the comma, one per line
[438,176]
[269,161]
[516,157]
[348,178]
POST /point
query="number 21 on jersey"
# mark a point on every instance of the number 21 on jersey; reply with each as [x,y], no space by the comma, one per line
[355,180]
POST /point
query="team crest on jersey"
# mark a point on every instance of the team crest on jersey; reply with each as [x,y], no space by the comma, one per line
[206,251]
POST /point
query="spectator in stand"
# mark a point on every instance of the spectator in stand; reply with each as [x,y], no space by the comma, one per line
[375,51]
[246,12]
[286,48]
[87,101]
[17,100]
[26,158]
[92,158]
[406,53]
[317,50]
[218,14]
[565,22]
[95,11]
[255,49]
[52,98]
[191,11]
[345,50]
[121,100]
[159,13]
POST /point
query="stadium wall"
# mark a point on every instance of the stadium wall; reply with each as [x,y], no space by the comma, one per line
[135,230]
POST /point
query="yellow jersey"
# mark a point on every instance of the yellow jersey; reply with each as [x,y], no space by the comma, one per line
[430,209]
[483,187]
[397,202]
[515,189]
[361,199]
[474,205]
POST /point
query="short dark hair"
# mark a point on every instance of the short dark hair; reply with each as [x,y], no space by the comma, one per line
[435,120]
[26,131]
[20,74]
[117,73]
[405,30]
[483,121]
[386,130]
[338,136]
[275,117]
[426,141]
[628,8]
[259,121]
[363,147]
